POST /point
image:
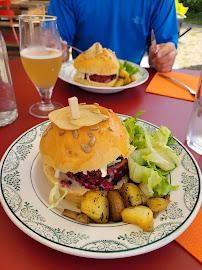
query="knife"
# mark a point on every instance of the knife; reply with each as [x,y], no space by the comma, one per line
[153,41]
[187,87]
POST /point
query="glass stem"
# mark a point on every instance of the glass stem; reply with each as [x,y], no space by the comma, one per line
[45,94]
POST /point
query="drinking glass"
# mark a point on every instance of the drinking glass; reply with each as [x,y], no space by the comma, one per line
[8,107]
[194,133]
[41,55]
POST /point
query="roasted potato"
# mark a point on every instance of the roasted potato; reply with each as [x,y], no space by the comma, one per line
[76,216]
[139,215]
[158,204]
[116,205]
[123,73]
[126,80]
[132,195]
[132,77]
[119,82]
[95,204]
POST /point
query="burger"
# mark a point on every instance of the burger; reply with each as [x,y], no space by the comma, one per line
[83,157]
[97,67]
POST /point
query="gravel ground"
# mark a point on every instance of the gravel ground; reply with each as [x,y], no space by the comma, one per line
[190,47]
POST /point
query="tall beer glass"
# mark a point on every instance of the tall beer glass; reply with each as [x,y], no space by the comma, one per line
[41,55]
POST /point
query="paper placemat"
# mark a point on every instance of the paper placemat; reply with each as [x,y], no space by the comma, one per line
[191,239]
[169,88]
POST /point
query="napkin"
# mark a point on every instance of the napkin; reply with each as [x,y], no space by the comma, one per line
[191,239]
[166,87]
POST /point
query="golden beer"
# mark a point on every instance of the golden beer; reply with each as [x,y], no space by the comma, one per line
[42,65]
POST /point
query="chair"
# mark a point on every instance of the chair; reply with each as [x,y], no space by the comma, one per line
[8,12]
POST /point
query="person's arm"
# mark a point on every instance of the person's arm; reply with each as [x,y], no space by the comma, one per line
[165,27]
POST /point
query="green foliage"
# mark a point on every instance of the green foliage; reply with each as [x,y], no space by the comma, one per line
[194,18]
[194,5]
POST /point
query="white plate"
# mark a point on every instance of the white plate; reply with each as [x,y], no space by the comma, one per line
[24,196]
[67,74]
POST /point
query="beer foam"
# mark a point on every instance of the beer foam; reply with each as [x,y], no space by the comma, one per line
[40,53]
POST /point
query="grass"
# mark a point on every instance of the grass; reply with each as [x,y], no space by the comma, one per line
[194,18]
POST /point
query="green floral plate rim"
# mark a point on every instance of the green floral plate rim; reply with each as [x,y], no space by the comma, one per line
[24,197]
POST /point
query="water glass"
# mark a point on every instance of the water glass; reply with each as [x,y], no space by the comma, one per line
[194,134]
[8,108]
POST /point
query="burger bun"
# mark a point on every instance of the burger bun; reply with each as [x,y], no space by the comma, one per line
[96,61]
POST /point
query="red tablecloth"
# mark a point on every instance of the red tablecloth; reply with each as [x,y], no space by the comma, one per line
[18,250]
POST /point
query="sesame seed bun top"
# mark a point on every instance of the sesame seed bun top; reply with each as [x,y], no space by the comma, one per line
[104,63]
[92,148]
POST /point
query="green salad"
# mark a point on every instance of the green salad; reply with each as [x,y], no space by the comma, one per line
[128,67]
[153,158]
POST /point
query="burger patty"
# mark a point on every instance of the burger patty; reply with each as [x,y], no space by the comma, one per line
[94,180]
[101,78]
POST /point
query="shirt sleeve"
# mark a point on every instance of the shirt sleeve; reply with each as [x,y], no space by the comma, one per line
[164,22]
[66,20]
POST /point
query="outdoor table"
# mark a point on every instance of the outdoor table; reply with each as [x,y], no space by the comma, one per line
[20,251]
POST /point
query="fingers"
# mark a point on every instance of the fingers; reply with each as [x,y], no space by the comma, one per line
[65,51]
[65,55]
[165,49]
[166,67]
[152,54]
[163,61]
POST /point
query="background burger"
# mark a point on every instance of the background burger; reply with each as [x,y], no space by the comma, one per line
[90,157]
[97,67]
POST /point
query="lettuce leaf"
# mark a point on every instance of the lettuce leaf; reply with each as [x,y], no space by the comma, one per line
[161,154]
[164,187]
[162,135]
[138,156]
[136,134]
[139,173]
[155,182]
[128,67]
[153,159]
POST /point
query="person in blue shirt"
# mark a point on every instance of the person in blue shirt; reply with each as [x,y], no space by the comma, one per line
[124,26]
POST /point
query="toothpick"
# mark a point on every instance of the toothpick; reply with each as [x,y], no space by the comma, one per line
[74,107]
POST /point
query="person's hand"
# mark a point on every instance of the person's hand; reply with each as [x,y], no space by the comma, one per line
[65,51]
[164,60]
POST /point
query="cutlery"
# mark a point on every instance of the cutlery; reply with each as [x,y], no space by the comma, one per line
[185,86]
[76,49]
[153,41]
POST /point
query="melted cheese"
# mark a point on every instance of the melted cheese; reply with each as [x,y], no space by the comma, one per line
[57,173]
[103,171]
[80,75]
